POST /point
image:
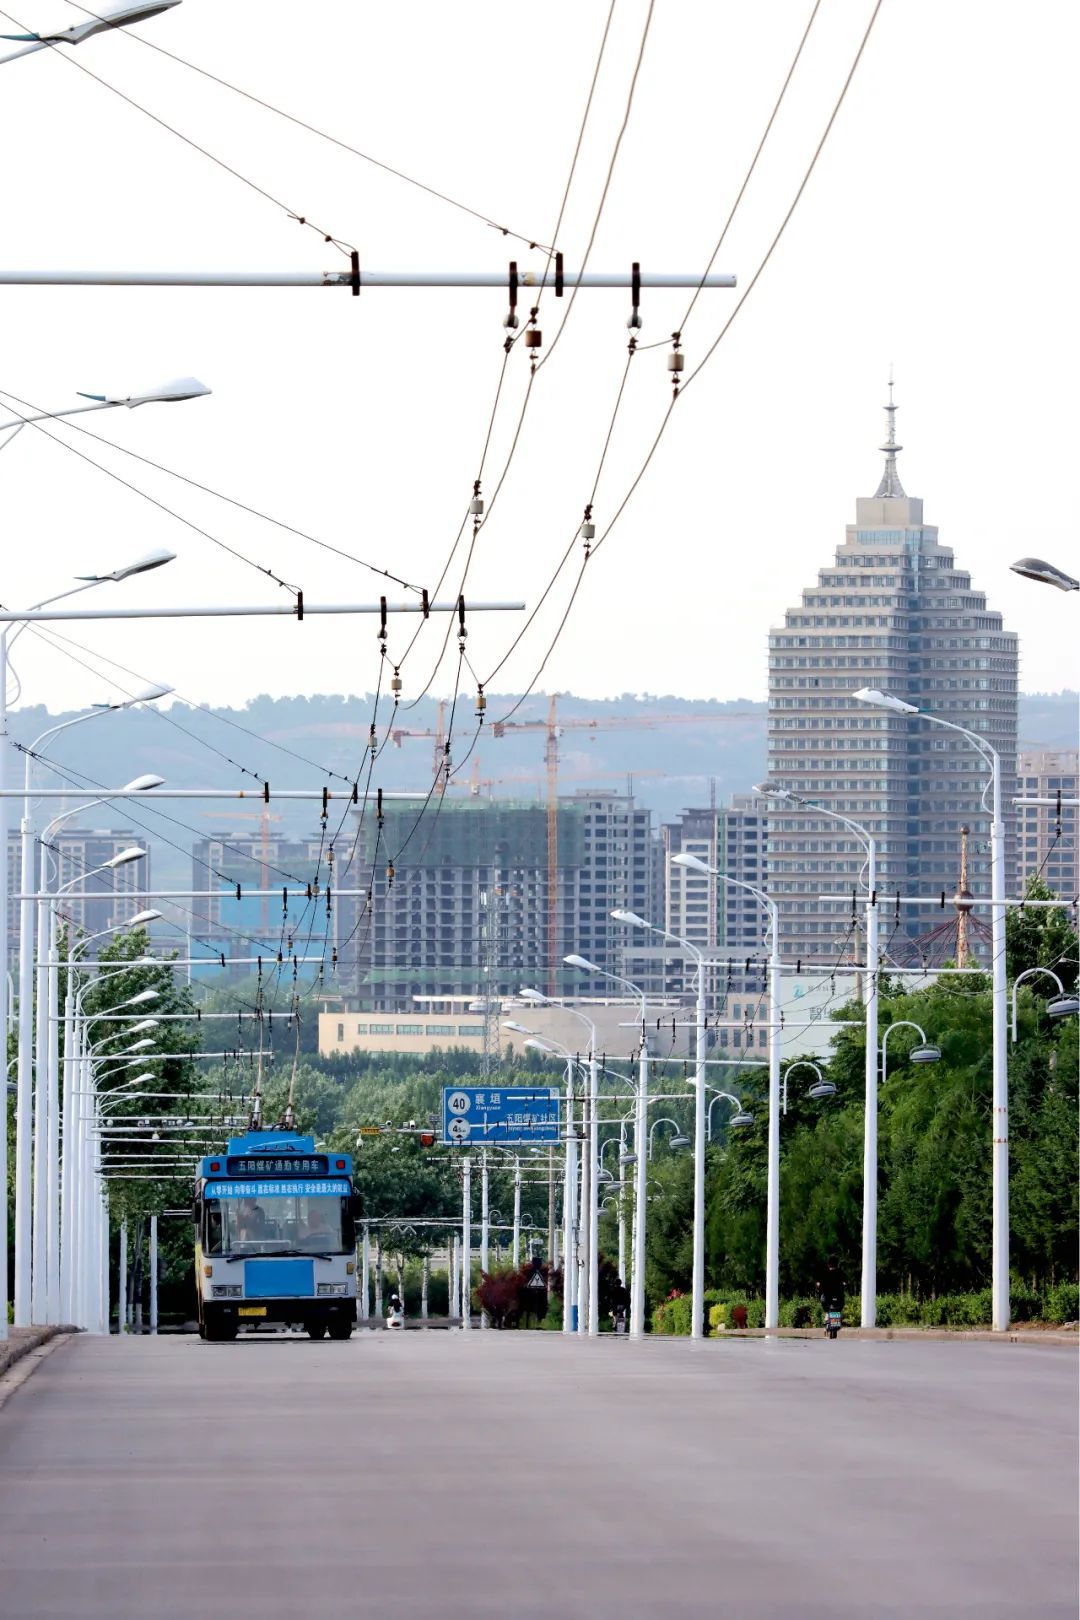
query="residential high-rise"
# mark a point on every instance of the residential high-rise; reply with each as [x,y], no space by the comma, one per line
[1047,833]
[892,612]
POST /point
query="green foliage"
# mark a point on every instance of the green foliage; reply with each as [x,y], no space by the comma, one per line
[934,1159]
[1062,1303]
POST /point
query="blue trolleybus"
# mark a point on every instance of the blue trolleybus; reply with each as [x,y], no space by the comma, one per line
[274,1237]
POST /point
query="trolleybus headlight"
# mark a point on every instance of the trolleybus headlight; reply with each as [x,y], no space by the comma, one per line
[332,1288]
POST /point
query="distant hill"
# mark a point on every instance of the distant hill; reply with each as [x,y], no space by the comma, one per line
[673,750]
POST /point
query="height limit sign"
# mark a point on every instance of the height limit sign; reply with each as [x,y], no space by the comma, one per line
[482,1115]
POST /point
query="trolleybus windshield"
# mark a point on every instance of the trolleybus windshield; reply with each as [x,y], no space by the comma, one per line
[284,1222]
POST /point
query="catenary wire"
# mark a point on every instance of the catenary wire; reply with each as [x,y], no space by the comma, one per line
[259,101]
[206,489]
[291,213]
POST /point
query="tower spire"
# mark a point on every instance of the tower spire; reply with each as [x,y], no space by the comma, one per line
[890,479]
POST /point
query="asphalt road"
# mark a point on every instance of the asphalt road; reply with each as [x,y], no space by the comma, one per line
[521,1475]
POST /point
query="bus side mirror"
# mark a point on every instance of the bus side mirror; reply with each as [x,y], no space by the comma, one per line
[195,1214]
[356,1205]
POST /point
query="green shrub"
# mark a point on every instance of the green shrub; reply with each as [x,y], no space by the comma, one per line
[718,1317]
[755,1313]
[898,1310]
[1026,1303]
[802,1311]
[1062,1304]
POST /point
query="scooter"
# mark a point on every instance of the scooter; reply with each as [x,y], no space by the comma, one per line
[833,1322]
[395,1316]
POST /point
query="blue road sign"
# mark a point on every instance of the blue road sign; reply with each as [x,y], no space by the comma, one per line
[477,1115]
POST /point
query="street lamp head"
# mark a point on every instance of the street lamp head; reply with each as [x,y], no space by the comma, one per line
[770,790]
[679,1141]
[628,1158]
[884,700]
[144,1023]
[118,16]
[1045,573]
[139,1046]
[142,998]
[1062,1007]
[124,857]
[582,962]
[531,995]
[693,863]
[518,1029]
[630,918]
[741,1119]
[164,394]
[540,1046]
[148,694]
[925,1054]
[141,565]
[142,784]
[142,917]
[820,1089]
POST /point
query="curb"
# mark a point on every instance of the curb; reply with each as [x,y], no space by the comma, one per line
[25,1354]
[907,1335]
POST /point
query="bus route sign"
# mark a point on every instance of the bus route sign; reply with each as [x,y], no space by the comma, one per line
[476,1116]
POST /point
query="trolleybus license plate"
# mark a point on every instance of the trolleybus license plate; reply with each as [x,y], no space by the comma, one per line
[252,1310]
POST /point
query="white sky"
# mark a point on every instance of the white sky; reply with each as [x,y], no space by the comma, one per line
[937,234]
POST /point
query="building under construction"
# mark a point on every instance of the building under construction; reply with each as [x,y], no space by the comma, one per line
[461,902]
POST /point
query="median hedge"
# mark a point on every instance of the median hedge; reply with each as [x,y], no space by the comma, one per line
[1056,1306]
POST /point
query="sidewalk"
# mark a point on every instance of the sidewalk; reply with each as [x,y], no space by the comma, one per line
[20,1342]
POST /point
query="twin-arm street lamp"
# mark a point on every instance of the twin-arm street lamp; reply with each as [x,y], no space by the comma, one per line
[989,755]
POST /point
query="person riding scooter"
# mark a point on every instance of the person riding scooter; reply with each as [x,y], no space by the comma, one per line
[395,1316]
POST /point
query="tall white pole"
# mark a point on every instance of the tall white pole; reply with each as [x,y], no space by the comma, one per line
[697,1306]
[153,1271]
[52,1147]
[38,1252]
[466,1244]
[622,1205]
[365,1272]
[870,1127]
[584,1224]
[1000,1268]
[641,1137]
[453,1278]
[24,1129]
[5,1020]
[772,1214]
[594,1197]
[517,1210]
[121,1282]
[570,1208]
[67,1149]
[485,1228]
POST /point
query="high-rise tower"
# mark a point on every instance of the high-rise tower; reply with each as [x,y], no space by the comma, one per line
[894,613]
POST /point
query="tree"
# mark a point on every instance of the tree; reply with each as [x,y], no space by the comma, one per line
[1038,936]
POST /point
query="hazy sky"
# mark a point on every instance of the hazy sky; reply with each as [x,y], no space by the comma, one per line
[937,234]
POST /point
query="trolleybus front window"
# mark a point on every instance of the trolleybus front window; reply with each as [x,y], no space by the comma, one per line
[273,1225]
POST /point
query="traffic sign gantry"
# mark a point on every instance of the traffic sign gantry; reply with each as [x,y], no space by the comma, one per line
[482,1115]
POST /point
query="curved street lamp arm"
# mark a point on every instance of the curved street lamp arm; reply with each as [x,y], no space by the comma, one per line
[1029,973]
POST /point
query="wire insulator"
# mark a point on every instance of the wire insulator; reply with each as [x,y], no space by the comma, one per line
[511,320]
[481,702]
[476,505]
[395,683]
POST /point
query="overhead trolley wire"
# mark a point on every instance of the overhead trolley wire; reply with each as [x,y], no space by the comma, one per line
[347,248]
[259,101]
[639,475]
[223,545]
[206,489]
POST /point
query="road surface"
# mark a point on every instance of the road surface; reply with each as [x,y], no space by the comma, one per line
[524,1475]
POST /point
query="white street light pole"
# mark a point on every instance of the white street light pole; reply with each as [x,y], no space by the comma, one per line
[517,1211]
[24,1102]
[641,1125]
[466,1244]
[772,1199]
[697,1289]
[485,1226]
[871,1002]
[999,993]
